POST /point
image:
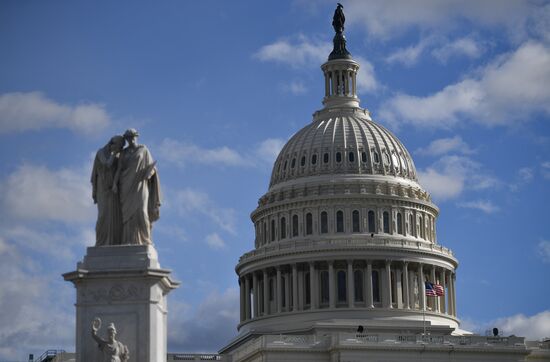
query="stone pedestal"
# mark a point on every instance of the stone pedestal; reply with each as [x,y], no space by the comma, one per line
[123,285]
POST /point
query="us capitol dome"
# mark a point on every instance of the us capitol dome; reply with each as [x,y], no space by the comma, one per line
[345,239]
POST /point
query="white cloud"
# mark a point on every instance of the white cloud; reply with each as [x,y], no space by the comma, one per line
[460,47]
[303,52]
[411,54]
[366,79]
[543,250]
[183,153]
[34,307]
[33,111]
[296,87]
[525,174]
[208,327]
[443,146]
[448,177]
[484,205]
[214,241]
[385,19]
[533,327]
[545,168]
[190,202]
[35,192]
[507,91]
[269,149]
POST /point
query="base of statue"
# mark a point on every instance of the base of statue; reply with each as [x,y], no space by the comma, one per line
[123,285]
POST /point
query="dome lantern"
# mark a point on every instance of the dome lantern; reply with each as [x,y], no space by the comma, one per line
[340,70]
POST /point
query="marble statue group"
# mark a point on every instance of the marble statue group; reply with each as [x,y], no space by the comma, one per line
[126,190]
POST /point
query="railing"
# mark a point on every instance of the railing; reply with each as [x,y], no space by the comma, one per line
[48,355]
[299,245]
[193,357]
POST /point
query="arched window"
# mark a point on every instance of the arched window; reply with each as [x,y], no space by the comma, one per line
[309,224]
[400,224]
[303,161]
[293,163]
[358,285]
[324,222]
[283,228]
[286,163]
[372,224]
[338,157]
[264,236]
[295,225]
[375,286]
[411,224]
[386,219]
[307,283]
[342,290]
[363,157]
[351,157]
[376,157]
[339,221]
[326,157]
[313,159]
[272,230]
[355,221]
[324,284]
[421,226]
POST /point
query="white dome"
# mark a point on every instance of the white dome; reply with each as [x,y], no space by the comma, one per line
[342,144]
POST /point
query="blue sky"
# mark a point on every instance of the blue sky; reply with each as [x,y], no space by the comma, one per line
[215,89]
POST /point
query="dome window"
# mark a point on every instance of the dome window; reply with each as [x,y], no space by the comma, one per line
[309,224]
[358,285]
[338,157]
[371,220]
[364,157]
[295,225]
[283,228]
[326,157]
[284,167]
[351,157]
[376,157]
[355,221]
[340,222]
[324,222]
[303,161]
[342,290]
[386,219]
[293,163]
[314,159]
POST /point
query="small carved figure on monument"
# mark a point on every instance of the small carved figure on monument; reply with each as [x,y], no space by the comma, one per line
[113,350]
[137,183]
[109,218]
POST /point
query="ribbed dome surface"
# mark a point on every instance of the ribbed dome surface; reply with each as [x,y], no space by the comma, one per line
[349,144]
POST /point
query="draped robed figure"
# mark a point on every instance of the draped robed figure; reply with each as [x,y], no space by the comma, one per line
[137,183]
[109,217]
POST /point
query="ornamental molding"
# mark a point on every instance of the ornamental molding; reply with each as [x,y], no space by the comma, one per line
[114,293]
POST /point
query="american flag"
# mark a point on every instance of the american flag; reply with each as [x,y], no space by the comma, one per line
[439,290]
[430,292]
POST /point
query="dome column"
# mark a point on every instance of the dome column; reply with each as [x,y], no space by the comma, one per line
[406,293]
[313,295]
[443,276]
[351,289]
[294,288]
[279,293]
[256,295]
[242,299]
[436,299]
[331,289]
[266,295]
[422,287]
[388,287]
[368,278]
[398,288]
[247,297]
